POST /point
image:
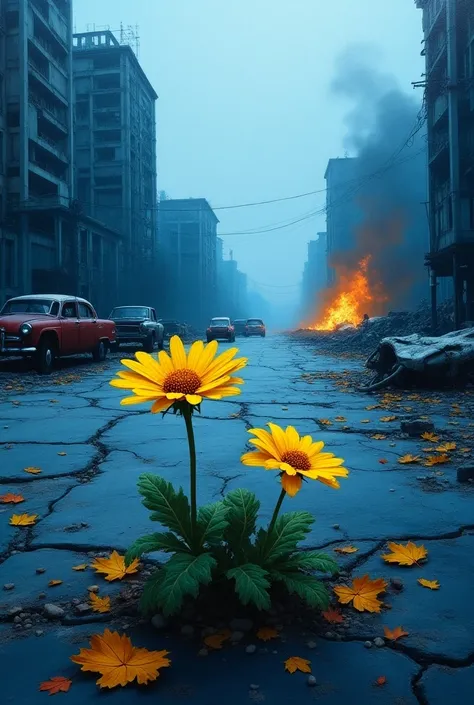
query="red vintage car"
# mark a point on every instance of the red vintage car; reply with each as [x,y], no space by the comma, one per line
[48,326]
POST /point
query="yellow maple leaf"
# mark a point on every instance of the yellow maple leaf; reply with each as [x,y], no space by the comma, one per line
[215,641]
[32,470]
[23,519]
[325,422]
[387,419]
[114,566]
[378,437]
[296,663]
[113,656]
[365,421]
[99,604]
[346,549]
[340,418]
[362,593]
[408,459]
[62,453]
[408,554]
[82,566]
[431,437]
[11,498]
[394,634]
[267,633]
[431,584]
[371,407]
[53,583]
[436,460]
[446,447]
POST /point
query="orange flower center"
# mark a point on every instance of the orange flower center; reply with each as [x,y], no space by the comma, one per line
[182,381]
[297,459]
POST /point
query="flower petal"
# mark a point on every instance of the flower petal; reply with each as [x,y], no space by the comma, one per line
[178,353]
[193,399]
[153,365]
[139,369]
[221,381]
[279,437]
[174,395]
[254,458]
[128,401]
[195,355]
[160,405]
[291,484]
[315,448]
[206,358]
[165,361]
[292,438]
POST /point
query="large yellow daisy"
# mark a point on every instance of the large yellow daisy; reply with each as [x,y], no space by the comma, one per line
[179,377]
[296,457]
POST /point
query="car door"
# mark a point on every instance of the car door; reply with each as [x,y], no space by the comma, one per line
[70,325]
[156,326]
[88,331]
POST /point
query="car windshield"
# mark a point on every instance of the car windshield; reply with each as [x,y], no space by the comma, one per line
[254,322]
[27,306]
[130,312]
[220,322]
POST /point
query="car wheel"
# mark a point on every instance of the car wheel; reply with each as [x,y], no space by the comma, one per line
[149,344]
[114,347]
[208,338]
[161,343]
[45,356]
[100,351]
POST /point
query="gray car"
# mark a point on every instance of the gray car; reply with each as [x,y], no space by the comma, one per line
[138,324]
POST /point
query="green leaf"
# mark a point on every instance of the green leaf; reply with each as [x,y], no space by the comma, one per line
[311,590]
[289,530]
[212,523]
[148,599]
[309,561]
[243,510]
[181,576]
[251,585]
[166,541]
[169,507]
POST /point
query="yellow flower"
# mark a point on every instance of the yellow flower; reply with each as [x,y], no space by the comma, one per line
[180,377]
[296,457]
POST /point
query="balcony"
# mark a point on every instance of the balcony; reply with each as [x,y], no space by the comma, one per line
[46,49]
[439,142]
[40,74]
[39,202]
[439,108]
[52,147]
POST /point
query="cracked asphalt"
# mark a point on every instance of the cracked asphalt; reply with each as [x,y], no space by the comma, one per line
[91,451]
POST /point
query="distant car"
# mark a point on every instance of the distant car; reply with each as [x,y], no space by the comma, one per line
[239,326]
[173,327]
[255,326]
[220,328]
[138,324]
[48,326]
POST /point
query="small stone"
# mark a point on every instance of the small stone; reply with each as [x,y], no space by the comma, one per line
[336,526]
[396,583]
[368,644]
[330,635]
[158,621]
[23,615]
[311,645]
[187,630]
[53,611]
[391,489]
[41,596]
[39,632]
[311,681]
[9,586]
[254,686]
[250,649]
[241,625]
[203,652]
[17,619]
[236,637]
[14,611]
[93,588]
[18,626]
[28,625]
[75,602]
[379,642]
[83,608]
[40,570]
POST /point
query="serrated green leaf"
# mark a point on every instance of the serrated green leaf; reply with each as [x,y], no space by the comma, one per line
[311,590]
[182,575]
[166,541]
[169,507]
[243,510]
[288,531]
[212,523]
[251,585]
[309,561]
[148,599]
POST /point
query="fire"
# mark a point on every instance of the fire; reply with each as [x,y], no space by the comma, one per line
[353,300]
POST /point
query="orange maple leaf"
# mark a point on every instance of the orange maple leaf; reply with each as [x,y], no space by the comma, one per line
[11,498]
[114,566]
[431,437]
[267,633]
[296,663]
[99,604]
[381,680]
[431,584]
[383,461]
[215,641]
[62,453]
[325,422]
[408,554]
[56,684]
[365,420]
[82,566]
[407,459]
[394,634]
[446,447]
[23,519]
[363,593]
[387,419]
[113,656]
[32,470]
[346,549]
[436,460]
[53,583]
[340,418]
[333,616]
[378,437]
[372,407]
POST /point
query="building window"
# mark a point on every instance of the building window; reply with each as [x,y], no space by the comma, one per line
[105,154]
[10,268]
[83,238]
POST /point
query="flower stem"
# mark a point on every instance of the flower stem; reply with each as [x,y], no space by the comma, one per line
[276,512]
[188,418]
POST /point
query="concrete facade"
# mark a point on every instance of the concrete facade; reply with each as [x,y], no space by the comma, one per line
[314,274]
[115,155]
[448,27]
[188,244]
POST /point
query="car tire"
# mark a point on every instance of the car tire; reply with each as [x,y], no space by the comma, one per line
[45,356]
[161,343]
[208,338]
[149,344]
[100,351]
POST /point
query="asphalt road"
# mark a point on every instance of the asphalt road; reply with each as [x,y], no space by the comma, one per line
[90,451]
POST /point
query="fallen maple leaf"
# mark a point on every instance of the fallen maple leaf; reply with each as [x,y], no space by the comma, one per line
[394,634]
[267,633]
[372,407]
[114,566]
[436,460]
[431,437]
[295,663]
[99,604]
[431,584]
[386,419]
[446,447]
[340,418]
[365,421]
[333,616]
[408,459]
[113,656]
[56,684]
[82,566]
[409,554]
[383,461]
[325,422]
[378,437]
[32,470]
[62,452]
[23,519]
[465,450]
[215,641]
[381,680]
[11,498]
[346,549]
[53,583]
[363,593]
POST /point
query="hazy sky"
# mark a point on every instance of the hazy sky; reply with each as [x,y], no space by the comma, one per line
[245,111]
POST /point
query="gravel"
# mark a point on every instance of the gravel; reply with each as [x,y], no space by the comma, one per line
[379,642]
[311,681]
[53,611]
[251,649]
